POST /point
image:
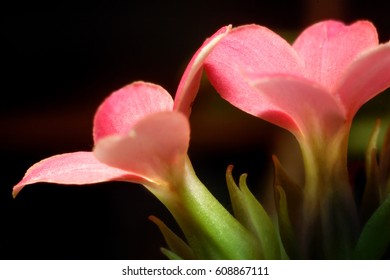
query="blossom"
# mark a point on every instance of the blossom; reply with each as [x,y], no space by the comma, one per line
[136,118]
[328,73]
[313,88]
[114,120]
[141,135]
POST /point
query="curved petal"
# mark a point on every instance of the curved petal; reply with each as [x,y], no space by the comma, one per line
[155,148]
[77,168]
[367,76]
[123,108]
[328,47]
[190,81]
[249,49]
[308,107]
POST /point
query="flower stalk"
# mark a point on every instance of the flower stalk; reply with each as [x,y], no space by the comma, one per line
[330,218]
[210,230]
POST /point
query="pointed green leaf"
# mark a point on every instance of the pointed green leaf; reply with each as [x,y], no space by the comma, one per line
[175,243]
[288,200]
[385,166]
[170,255]
[285,227]
[251,214]
[294,193]
[375,236]
[371,195]
[235,194]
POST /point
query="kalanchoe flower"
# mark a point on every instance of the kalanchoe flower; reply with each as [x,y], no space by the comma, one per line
[318,72]
[141,135]
[117,116]
[135,109]
[313,88]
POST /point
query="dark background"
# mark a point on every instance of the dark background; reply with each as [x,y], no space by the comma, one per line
[60,60]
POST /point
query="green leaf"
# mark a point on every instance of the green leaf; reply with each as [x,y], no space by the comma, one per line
[251,214]
[285,227]
[170,255]
[375,236]
[176,245]
[294,193]
[288,200]
[385,166]
[371,195]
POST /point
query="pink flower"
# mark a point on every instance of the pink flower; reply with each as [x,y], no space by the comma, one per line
[141,135]
[317,83]
[138,135]
[137,138]
[313,88]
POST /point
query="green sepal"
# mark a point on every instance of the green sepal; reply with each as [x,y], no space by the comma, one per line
[374,239]
[286,229]
[385,166]
[294,193]
[251,214]
[177,246]
[371,195]
[170,255]
[288,202]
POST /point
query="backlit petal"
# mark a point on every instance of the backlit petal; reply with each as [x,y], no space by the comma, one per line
[155,148]
[367,76]
[249,49]
[190,81]
[303,107]
[77,168]
[123,108]
[328,47]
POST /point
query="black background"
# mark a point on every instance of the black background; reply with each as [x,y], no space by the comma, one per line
[60,60]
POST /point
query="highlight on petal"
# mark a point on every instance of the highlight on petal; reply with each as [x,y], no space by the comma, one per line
[309,107]
[77,168]
[249,49]
[155,148]
[366,77]
[123,108]
[328,47]
[190,81]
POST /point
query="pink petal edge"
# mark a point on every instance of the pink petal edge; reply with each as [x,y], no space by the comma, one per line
[366,77]
[250,49]
[123,108]
[303,107]
[76,168]
[328,47]
[190,81]
[155,149]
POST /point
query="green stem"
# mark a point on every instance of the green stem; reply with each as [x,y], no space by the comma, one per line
[329,212]
[211,231]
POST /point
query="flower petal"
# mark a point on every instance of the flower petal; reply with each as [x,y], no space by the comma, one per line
[303,107]
[77,168]
[123,108]
[155,148]
[249,49]
[328,47]
[366,77]
[190,81]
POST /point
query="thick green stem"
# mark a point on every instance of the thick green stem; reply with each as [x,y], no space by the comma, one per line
[329,212]
[211,231]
